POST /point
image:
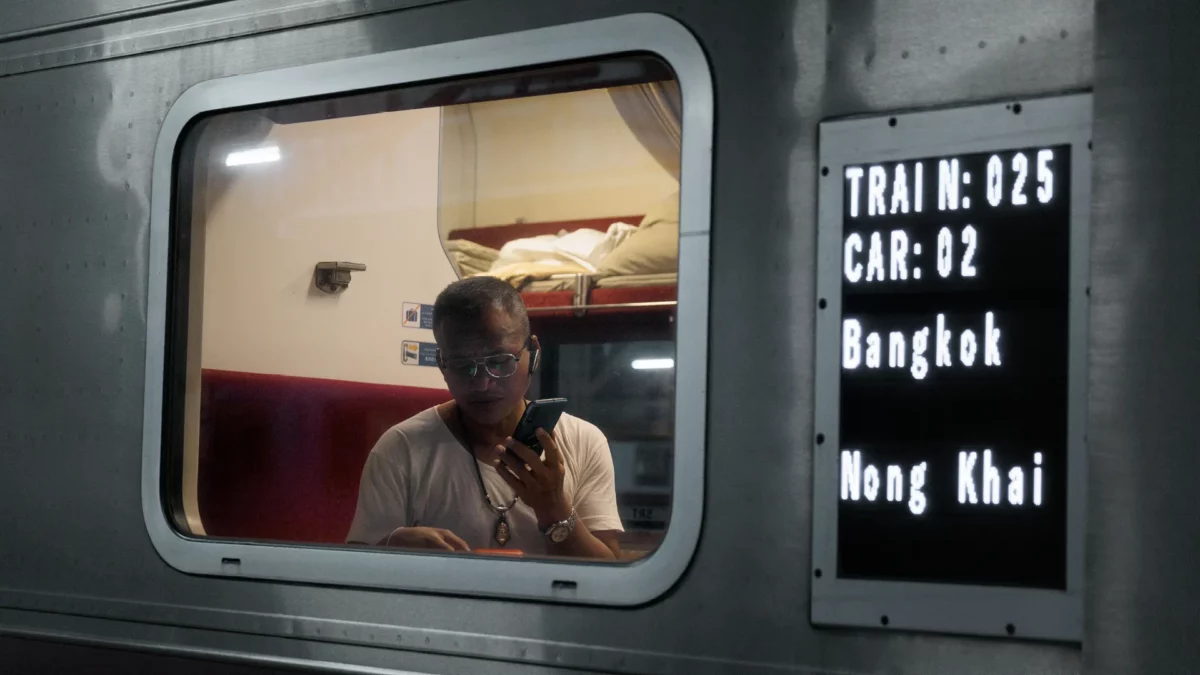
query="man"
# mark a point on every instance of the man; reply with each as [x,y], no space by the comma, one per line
[445,480]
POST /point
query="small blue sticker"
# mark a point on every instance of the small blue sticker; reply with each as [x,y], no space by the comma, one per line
[417,315]
[419,353]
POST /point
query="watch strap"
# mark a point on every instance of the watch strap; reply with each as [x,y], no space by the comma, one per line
[569,523]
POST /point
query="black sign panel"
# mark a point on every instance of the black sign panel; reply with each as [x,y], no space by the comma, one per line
[953,361]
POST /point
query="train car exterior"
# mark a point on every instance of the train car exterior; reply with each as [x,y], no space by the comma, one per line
[96,99]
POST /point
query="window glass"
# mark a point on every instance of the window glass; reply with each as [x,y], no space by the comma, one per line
[369,290]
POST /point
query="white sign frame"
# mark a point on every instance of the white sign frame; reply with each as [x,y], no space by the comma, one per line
[1024,613]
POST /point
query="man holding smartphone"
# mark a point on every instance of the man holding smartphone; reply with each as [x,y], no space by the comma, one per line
[452,478]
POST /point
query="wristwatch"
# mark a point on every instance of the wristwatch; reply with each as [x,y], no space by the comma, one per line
[558,532]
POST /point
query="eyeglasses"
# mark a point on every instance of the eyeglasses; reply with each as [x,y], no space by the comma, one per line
[497,366]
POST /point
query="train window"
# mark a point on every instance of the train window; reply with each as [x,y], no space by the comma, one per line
[375,290]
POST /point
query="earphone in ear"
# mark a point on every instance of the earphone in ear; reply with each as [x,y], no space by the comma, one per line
[535,359]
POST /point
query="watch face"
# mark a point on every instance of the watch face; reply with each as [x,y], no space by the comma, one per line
[559,534]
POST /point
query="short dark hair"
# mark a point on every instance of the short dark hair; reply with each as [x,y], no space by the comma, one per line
[467,300]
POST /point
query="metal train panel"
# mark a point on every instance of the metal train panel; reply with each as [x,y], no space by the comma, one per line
[80,111]
[1143,356]
[23,18]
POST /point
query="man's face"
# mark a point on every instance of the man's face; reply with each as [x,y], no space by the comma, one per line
[483,398]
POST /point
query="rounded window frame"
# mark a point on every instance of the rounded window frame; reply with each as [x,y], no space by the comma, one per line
[575,582]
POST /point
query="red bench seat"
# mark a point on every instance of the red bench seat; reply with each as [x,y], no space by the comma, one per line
[280,457]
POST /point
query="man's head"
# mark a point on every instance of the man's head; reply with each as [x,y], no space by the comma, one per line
[477,323]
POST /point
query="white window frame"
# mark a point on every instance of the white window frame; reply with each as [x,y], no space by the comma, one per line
[560,581]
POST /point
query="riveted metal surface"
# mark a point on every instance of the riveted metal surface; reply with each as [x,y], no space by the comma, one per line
[171,25]
[75,148]
[38,656]
[147,648]
[25,17]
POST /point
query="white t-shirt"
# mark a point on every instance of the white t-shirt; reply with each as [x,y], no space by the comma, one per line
[420,474]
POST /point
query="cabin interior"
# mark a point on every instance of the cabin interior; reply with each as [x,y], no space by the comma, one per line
[571,197]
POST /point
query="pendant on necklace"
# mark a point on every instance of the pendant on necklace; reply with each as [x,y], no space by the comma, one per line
[502,534]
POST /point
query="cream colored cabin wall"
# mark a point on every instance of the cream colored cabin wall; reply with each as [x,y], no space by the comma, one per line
[358,189]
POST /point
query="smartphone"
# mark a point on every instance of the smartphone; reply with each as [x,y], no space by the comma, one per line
[543,413]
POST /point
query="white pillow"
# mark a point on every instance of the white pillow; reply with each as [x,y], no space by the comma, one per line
[578,246]
[526,250]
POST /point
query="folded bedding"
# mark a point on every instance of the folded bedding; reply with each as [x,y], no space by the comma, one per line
[623,256]
[470,266]
[471,258]
[523,260]
[471,249]
[520,274]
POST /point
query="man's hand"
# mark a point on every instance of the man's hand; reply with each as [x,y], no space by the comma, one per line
[434,538]
[538,482]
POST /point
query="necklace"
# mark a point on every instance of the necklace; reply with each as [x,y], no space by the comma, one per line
[502,533]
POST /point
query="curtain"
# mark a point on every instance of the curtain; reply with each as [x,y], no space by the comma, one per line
[654,112]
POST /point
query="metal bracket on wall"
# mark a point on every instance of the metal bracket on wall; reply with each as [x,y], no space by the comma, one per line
[333,277]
